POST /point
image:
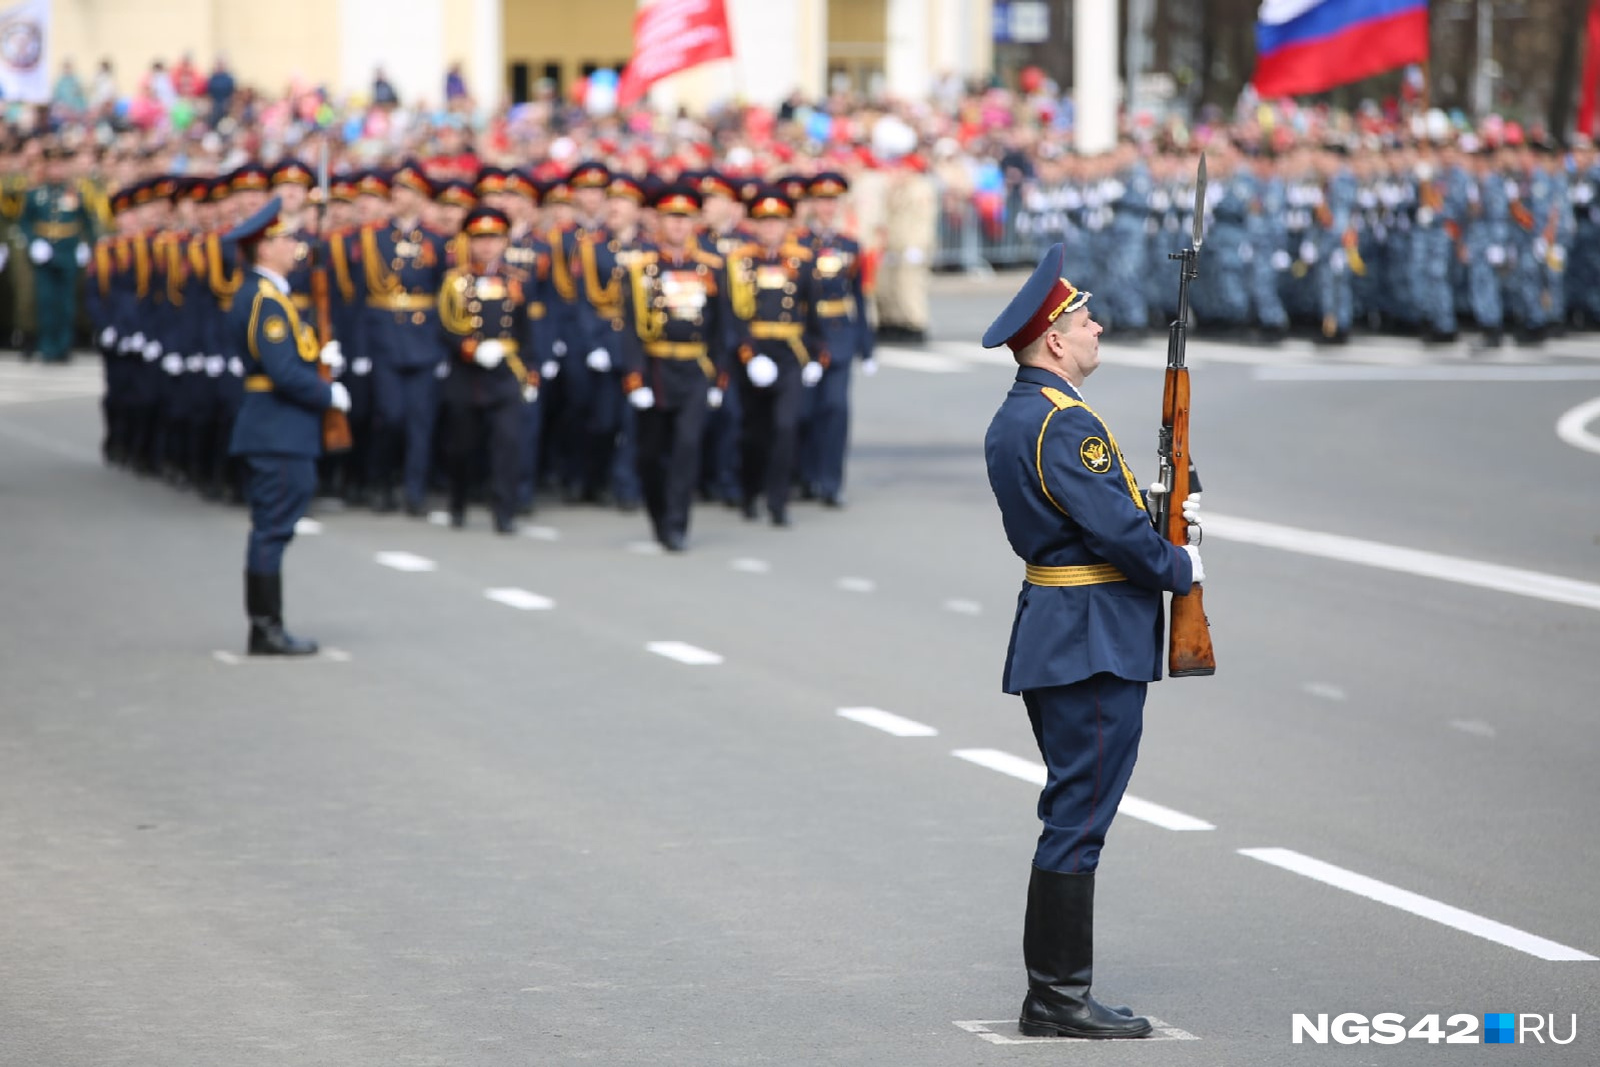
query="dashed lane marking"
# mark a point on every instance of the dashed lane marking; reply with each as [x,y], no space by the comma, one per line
[1325,690]
[1029,771]
[541,533]
[857,585]
[233,659]
[520,599]
[964,607]
[888,722]
[1413,561]
[684,653]
[439,518]
[1475,727]
[1005,1032]
[1428,373]
[1416,904]
[307,528]
[1573,427]
[405,561]
[751,566]
[644,548]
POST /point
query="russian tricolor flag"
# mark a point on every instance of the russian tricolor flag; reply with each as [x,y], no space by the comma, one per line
[1306,46]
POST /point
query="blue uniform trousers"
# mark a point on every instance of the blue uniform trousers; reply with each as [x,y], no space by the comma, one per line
[405,407]
[279,491]
[826,433]
[720,464]
[1088,733]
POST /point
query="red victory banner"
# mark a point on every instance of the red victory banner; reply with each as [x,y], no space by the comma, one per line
[673,35]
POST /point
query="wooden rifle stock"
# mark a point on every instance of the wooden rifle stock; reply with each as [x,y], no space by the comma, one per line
[1188,633]
[335,425]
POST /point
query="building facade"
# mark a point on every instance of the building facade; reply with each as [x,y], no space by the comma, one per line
[506,47]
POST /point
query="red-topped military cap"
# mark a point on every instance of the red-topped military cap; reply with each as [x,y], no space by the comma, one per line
[828,185]
[292,172]
[589,174]
[342,189]
[1043,299]
[770,202]
[626,187]
[410,175]
[372,183]
[491,180]
[252,177]
[456,194]
[679,199]
[486,222]
[555,191]
[713,183]
[519,184]
[794,187]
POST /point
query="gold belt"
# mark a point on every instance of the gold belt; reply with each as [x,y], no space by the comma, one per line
[676,349]
[302,301]
[404,302]
[776,331]
[57,231]
[258,383]
[1089,574]
[842,308]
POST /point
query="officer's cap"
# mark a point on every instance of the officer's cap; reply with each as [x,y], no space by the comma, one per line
[589,174]
[122,200]
[292,172]
[680,198]
[372,183]
[555,191]
[1043,298]
[165,187]
[626,187]
[714,183]
[519,184]
[795,187]
[771,202]
[410,175]
[252,177]
[486,222]
[143,193]
[194,190]
[456,194]
[828,185]
[342,190]
[491,180]
[266,222]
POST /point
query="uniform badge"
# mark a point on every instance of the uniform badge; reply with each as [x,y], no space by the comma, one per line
[1095,455]
[275,329]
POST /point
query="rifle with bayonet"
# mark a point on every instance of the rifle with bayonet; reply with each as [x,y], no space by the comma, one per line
[1189,634]
[335,424]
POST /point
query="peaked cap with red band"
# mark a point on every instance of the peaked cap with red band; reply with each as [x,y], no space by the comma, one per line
[1043,299]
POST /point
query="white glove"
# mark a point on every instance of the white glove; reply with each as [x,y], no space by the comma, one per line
[599,361]
[1194,561]
[39,251]
[108,337]
[489,354]
[136,342]
[194,364]
[550,369]
[442,371]
[559,347]
[530,392]
[1308,252]
[341,397]
[762,371]
[152,351]
[714,398]
[1280,260]
[172,363]
[332,357]
[236,366]
[1191,509]
[82,254]
[869,366]
[215,365]
[811,374]
[642,398]
[361,366]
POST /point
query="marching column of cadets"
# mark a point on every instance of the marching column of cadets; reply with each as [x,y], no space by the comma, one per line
[614,325]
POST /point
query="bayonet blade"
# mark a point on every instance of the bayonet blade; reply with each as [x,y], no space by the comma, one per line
[1200,204]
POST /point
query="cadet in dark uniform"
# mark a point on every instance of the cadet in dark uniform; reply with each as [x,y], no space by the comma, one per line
[483,309]
[773,287]
[674,350]
[278,431]
[1087,634]
[57,231]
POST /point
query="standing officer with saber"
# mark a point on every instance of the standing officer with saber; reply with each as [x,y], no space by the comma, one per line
[1087,634]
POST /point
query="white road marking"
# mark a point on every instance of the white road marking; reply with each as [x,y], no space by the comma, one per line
[1348,372]
[405,561]
[229,658]
[1005,1032]
[1493,576]
[644,548]
[857,585]
[907,359]
[520,599]
[439,518]
[337,655]
[751,566]
[1415,903]
[1475,727]
[1573,427]
[541,533]
[1029,771]
[307,527]
[964,607]
[683,653]
[888,722]
[1325,690]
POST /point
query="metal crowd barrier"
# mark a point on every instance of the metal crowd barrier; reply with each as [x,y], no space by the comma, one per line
[978,242]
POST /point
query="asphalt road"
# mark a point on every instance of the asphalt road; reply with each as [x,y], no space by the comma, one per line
[494,827]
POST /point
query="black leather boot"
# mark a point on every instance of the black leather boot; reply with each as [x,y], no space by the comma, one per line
[263,603]
[1058,948]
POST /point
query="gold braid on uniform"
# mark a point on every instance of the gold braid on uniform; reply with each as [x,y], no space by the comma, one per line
[560,269]
[341,268]
[102,264]
[603,297]
[173,259]
[453,314]
[742,285]
[648,320]
[141,266]
[223,284]
[380,282]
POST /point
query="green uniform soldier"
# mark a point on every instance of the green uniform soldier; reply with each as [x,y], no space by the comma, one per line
[56,230]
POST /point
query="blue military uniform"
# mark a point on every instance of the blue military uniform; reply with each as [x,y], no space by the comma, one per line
[278,432]
[1085,640]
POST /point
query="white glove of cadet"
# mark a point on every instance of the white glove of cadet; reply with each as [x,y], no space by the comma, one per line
[714,398]
[550,369]
[489,354]
[599,361]
[559,347]
[1191,509]
[136,342]
[869,366]
[151,351]
[341,397]
[762,371]
[1194,561]
[172,363]
[39,250]
[642,398]
[108,337]
[82,254]
[530,392]
[332,357]
[811,374]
